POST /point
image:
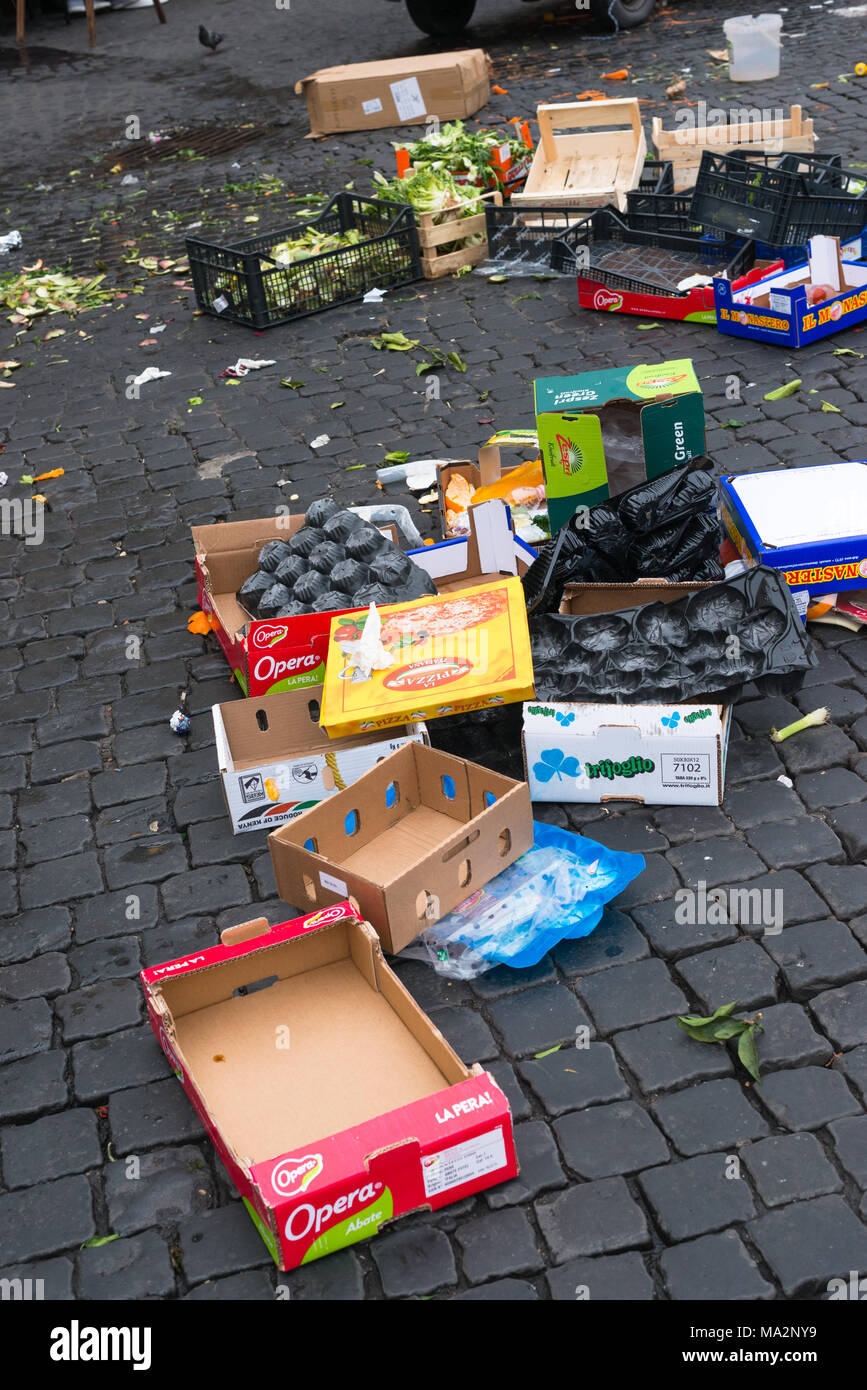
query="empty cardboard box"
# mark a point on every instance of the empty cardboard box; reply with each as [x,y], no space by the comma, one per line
[333,1101]
[409,841]
[276,762]
[396,91]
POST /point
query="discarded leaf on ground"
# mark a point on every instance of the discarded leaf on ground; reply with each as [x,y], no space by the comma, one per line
[719,55]
[643,327]
[830,409]
[847,352]
[548,1051]
[780,392]
[98,1240]
[294,385]
[720,1027]
[676,89]
[396,342]
[335,405]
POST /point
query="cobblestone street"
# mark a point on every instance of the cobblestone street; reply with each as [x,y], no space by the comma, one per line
[116,851]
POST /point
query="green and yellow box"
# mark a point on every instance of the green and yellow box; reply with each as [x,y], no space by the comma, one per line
[603,432]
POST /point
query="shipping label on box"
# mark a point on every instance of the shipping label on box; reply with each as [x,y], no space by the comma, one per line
[378,1116]
[603,432]
[276,762]
[654,754]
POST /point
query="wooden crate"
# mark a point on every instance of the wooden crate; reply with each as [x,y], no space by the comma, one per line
[685,147]
[433,236]
[599,164]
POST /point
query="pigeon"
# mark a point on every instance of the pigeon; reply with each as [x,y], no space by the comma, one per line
[209,40]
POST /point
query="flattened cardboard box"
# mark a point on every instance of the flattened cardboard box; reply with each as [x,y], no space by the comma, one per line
[276,762]
[657,755]
[358,1113]
[407,842]
[399,91]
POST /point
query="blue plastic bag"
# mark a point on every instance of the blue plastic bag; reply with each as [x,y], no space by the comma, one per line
[556,891]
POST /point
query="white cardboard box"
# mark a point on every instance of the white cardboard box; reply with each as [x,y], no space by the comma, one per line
[275,760]
[660,755]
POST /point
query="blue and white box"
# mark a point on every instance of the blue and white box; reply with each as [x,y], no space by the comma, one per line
[655,755]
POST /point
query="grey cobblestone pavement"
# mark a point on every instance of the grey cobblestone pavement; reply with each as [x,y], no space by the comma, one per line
[623,1184]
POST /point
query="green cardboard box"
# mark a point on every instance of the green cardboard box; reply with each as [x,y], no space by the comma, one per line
[602,432]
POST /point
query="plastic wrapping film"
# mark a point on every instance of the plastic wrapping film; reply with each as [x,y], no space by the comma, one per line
[556,891]
[655,529]
[705,646]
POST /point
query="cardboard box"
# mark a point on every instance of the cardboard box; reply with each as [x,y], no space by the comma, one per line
[268,655]
[450,653]
[811,523]
[657,755]
[489,470]
[275,760]
[408,841]
[397,91]
[603,432]
[775,308]
[489,548]
[359,1111]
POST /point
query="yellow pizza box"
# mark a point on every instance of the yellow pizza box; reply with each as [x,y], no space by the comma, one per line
[449,653]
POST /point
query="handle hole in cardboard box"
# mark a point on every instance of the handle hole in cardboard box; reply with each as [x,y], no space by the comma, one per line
[489,799]
[461,846]
[504,842]
[448,787]
[311,845]
[392,794]
[309,887]
[427,906]
[465,872]
[352,823]
[254,986]
[313,711]
[262,720]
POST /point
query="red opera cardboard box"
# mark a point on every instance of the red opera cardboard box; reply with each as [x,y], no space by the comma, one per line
[275,654]
[333,1101]
[266,655]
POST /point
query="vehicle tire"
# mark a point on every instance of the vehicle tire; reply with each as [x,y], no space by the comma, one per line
[440,18]
[627,13]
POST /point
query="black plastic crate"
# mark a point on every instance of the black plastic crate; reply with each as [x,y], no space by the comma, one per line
[525,235]
[660,212]
[581,247]
[243,282]
[522,236]
[782,201]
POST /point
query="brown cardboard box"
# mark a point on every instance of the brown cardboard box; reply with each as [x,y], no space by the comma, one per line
[410,840]
[400,91]
[276,762]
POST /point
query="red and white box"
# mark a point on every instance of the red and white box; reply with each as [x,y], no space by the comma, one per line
[334,1102]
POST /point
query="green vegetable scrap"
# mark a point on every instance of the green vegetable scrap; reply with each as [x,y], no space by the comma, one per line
[35,292]
[781,392]
[456,150]
[720,1027]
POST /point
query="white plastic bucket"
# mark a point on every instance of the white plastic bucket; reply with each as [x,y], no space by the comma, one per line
[754,41]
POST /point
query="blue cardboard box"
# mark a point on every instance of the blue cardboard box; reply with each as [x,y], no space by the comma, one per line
[811,523]
[775,309]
